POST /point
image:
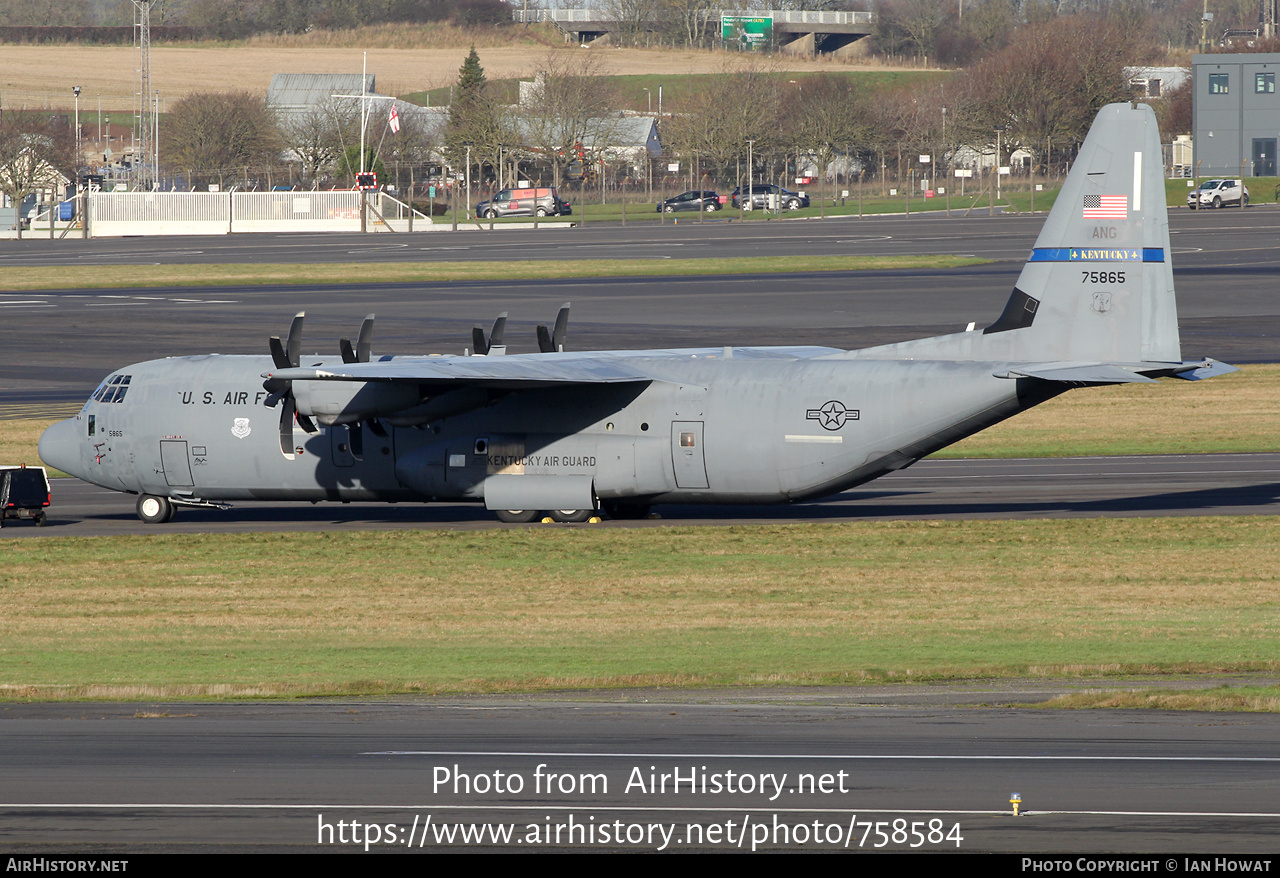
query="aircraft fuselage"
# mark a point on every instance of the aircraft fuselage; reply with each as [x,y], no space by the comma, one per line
[710,428]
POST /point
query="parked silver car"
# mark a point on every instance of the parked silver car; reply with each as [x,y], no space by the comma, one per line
[1218,193]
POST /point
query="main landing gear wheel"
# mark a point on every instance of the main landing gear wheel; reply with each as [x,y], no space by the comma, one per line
[517,516]
[154,510]
[571,516]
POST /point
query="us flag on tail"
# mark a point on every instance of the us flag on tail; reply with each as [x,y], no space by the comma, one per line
[1106,207]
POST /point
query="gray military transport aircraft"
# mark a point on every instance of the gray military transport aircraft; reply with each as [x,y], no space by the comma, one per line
[567,433]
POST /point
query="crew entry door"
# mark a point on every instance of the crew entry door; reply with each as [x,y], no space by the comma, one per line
[176,463]
[686,454]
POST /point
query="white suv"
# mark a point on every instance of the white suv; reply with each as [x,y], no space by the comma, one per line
[1218,193]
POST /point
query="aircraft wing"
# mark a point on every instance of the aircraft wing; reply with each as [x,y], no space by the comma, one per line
[527,371]
[510,372]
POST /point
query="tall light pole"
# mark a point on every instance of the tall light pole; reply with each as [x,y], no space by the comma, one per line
[79,150]
[155,141]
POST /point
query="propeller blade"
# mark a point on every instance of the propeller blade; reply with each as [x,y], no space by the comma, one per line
[365,340]
[544,339]
[305,422]
[499,326]
[561,331]
[277,353]
[294,348]
[274,397]
[477,341]
[348,355]
[286,427]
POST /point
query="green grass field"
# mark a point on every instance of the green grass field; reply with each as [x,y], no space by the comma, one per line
[559,607]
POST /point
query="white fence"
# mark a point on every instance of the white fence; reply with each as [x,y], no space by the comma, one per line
[113,214]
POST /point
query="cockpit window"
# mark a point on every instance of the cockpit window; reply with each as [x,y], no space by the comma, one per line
[113,389]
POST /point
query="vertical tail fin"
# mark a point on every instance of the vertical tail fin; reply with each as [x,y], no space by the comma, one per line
[1098,286]
[1099,283]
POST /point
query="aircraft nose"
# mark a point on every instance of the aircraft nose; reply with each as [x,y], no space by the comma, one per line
[60,446]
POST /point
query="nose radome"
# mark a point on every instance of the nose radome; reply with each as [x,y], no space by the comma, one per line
[60,447]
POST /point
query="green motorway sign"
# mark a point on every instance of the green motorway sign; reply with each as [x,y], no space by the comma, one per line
[746,32]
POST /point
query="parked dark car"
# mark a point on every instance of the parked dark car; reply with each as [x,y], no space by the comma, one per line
[695,199]
[760,193]
[24,493]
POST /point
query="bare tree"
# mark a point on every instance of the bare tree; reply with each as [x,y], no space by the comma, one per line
[688,20]
[35,153]
[828,116]
[213,136]
[716,122]
[1051,80]
[570,108]
[316,136]
[632,19]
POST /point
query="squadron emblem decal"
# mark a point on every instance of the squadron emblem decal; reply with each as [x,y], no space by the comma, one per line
[832,415]
[240,428]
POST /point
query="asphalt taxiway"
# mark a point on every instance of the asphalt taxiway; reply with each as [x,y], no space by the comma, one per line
[920,768]
[1086,487]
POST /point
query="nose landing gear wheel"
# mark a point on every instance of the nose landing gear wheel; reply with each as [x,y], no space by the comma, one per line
[154,510]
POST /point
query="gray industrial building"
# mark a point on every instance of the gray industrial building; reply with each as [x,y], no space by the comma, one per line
[1236,114]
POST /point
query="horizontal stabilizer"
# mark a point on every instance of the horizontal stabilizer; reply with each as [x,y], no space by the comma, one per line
[1118,373]
[1206,368]
[1079,373]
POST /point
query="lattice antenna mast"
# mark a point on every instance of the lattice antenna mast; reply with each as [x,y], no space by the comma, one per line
[1268,23]
[143,175]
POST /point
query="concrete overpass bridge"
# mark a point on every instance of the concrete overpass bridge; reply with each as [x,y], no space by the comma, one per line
[800,32]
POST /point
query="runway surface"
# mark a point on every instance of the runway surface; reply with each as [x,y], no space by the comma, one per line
[1090,487]
[795,770]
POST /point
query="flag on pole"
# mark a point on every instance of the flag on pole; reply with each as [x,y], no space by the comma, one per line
[394,121]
